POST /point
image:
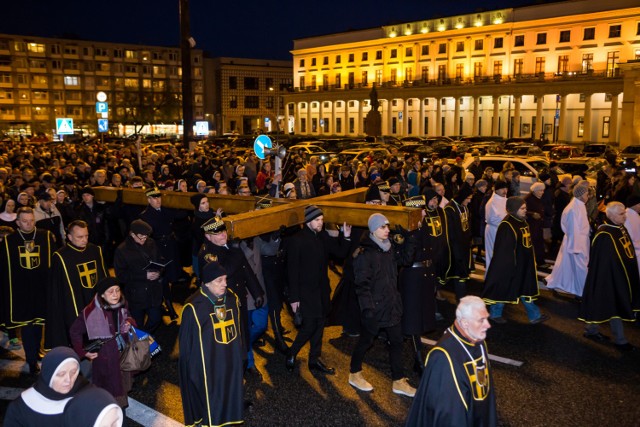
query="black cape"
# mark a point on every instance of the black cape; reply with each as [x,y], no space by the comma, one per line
[612,286]
[211,358]
[23,278]
[74,273]
[512,272]
[459,229]
[449,393]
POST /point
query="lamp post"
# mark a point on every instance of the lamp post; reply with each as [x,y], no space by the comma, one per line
[277,101]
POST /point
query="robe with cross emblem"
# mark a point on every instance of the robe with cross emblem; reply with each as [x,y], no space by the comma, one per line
[211,360]
[74,273]
[612,288]
[512,273]
[24,270]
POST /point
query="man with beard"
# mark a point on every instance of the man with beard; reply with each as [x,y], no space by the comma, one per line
[513,277]
[75,270]
[26,259]
[456,388]
[459,239]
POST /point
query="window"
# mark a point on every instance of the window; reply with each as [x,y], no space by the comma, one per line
[268,82]
[497,68]
[302,63]
[251,101]
[479,44]
[233,101]
[365,78]
[378,77]
[425,73]
[459,46]
[251,83]
[173,56]
[35,47]
[378,54]
[117,53]
[612,63]
[5,78]
[6,94]
[517,66]
[301,82]
[131,68]
[425,48]
[518,41]
[408,52]
[477,69]
[587,62]
[352,79]
[132,83]
[268,102]
[365,56]
[589,33]
[565,36]
[498,43]
[408,74]
[338,80]
[314,83]
[541,38]
[325,60]
[55,49]
[540,62]
[325,81]
[130,54]
[442,48]
[101,51]
[71,50]
[71,81]
[563,64]
[351,57]
[614,31]
[394,53]
[313,62]
[394,75]
[442,73]
[37,63]
[338,59]
[580,127]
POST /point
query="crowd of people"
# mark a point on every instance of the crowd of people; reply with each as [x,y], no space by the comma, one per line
[60,244]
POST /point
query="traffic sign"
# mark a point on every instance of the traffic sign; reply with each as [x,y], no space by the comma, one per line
[103,125]
[64,126]
[400,115]
[102,107]
[202,128]
[101,96]
[261,142]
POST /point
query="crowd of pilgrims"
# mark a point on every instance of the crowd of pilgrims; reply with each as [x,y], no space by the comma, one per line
[57,182]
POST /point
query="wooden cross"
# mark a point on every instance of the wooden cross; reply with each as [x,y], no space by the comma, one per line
[245,221]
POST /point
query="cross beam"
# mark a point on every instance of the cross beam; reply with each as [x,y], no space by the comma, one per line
[244,221]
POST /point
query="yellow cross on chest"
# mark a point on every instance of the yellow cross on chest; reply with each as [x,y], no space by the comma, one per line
[29,260]
[224,332]
[88,273]
[627,245]
[526,237]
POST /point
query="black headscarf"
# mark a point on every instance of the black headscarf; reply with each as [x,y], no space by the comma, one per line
[50,364]
[89,407]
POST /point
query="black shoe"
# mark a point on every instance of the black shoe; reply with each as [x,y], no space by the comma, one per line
[321,367]
[259,343]
[598,337]
[281,346]
[290,363]
[253,372]
[626,347]
[34,370]
[542,318]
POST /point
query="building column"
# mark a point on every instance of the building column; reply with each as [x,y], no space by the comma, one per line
[539,124]
[405,118]
[562,122]
[496,115]
[517,100]
[320,117]
[309,130]
[332,122]
[359,127]
[389,116]
[456,116]
[421,130]
[613,120]
[296,114]
[438,116]
[586,134]
[476,115]
[630,114]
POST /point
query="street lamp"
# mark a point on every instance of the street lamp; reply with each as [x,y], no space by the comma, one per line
[277,100]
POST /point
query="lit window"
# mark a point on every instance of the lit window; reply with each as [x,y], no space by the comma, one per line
[71,81]
[614,31]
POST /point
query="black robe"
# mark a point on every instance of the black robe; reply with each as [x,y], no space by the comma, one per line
[211,358]
[512,272]
[449,393]
[535,205]
[23,278]
[612,286]
[459,239]
[74,273]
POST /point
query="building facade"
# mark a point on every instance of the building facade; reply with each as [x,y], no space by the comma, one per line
[42,79]
[556,71]
[245,95]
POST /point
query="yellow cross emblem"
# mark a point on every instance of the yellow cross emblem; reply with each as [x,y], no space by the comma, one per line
[627,245]
[29,259]
[526,237]
[88,273]
[435,224]
[224,331]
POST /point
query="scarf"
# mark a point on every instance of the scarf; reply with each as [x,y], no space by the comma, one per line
[385,244]
[97,321]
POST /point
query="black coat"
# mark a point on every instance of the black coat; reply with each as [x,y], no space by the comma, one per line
[129,263]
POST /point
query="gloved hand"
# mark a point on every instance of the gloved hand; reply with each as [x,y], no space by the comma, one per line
[259,301]
[401,230]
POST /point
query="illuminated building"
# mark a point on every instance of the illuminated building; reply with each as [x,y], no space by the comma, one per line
[563,71]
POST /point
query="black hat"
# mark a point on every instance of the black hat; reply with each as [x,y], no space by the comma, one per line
[140,227]
[87,190]
[48,178]
[415,202]
[212,271]
[514,203]
[104,284]
[311,212]
[264,203]
[153,192]
[196,199]
[429,194]
[500,184]
[393,181]
[373,193]
[632,201]
[384,187]
[464,192]
[543,176]
[214,226]
[44,196]
[68,179]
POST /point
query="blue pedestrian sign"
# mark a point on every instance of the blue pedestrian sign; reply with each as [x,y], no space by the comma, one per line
[261,142]
[64,126]
[102,107]
[103,125]
[400,115]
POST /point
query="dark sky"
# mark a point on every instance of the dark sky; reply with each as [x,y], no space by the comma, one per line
[239,28]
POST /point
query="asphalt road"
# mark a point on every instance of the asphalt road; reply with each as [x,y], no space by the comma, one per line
[564,380]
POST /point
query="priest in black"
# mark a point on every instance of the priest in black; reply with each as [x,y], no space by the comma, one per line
[210,365]
[457,387]
[459,239]
[25,260]
[75,270]
[612,288]
[512,274]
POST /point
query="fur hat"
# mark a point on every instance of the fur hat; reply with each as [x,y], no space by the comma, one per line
[140,227]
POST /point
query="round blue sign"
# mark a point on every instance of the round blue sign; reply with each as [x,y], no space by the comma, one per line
[260,143]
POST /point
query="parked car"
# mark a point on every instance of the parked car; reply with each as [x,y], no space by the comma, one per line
[564,152]
[586,167]
[525,150]
[347,156]
[595,150]
[313,150]
[629,155]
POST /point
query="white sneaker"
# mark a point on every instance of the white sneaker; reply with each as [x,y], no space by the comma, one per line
[358,381]
[402,386]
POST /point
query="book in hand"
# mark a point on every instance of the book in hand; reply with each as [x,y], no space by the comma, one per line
[156,265]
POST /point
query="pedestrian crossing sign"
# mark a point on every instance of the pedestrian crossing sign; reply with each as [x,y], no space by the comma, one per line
[64,126]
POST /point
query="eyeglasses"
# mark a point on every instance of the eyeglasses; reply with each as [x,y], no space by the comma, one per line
[142,237]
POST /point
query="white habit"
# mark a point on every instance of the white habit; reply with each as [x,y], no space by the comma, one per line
[494,212]
[632,224]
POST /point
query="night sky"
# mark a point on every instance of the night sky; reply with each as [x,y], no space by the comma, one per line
[240,28]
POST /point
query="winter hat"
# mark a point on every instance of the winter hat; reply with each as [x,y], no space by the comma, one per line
[87,190]
[429,194]
[373,193]
[196,199]
[514,203]
[464,192]
[288,188]
[581,188]
[104,284]
[376,221]
[543,176]
[212,271]
[500,184]
[311,212]
[140,227]
[393,181]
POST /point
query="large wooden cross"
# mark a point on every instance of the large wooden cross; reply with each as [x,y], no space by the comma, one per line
[244,221]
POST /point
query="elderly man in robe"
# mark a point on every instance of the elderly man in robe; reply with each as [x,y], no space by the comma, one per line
[570,269]
[494,212]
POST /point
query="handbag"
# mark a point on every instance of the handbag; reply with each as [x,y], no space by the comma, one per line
[136,355]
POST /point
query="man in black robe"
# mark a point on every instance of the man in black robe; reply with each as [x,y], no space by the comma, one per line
[456,388]
[535,219]
[211,353]
[459,239]
[25,260]
[75,270]
[512,274]
[612,288]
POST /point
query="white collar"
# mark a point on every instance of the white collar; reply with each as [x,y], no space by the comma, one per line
[38,403]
